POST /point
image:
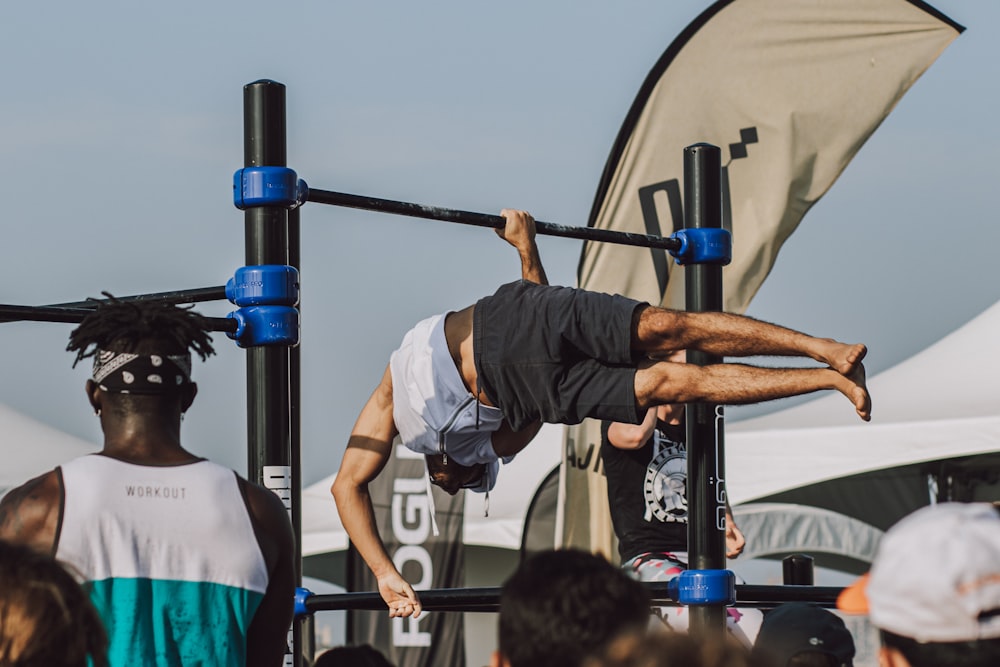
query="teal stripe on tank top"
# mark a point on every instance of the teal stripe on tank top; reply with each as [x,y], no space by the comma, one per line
[168,623]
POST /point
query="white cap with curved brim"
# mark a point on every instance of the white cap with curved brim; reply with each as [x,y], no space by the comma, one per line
[936,576]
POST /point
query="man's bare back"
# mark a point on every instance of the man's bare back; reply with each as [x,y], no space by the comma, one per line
[458,334]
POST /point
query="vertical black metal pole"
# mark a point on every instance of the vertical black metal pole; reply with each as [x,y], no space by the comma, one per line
[703,292]
[269,431]
[266,243]
[797,570]
[303,630]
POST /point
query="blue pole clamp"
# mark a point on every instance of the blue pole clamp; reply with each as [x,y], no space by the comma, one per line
[703,587]
[265,325]
[302,595]
[268,186]
[703,246]
[264,284]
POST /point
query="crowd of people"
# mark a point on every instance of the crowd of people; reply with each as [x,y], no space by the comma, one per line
[933,593]
[147,554]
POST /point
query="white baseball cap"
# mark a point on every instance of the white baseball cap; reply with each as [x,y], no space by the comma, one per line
[936,576]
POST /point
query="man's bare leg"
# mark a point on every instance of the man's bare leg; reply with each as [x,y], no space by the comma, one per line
[657,330]
[737,384]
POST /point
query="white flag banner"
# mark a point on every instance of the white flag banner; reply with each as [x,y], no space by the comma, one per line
[789,90]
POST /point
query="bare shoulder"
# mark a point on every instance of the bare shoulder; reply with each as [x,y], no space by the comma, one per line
[375,422]
[29,514]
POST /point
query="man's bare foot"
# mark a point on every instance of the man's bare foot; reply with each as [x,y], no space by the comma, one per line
[857,392]
[843,357]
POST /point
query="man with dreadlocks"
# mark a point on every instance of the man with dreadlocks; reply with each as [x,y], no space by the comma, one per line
[187,562]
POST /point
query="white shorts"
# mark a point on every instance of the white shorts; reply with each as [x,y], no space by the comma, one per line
[743,623]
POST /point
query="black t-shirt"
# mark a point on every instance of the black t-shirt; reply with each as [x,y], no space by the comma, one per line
[647,491]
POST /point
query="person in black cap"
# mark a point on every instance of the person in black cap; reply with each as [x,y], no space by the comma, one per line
[797,634]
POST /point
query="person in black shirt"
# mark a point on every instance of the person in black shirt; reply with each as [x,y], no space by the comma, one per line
[646,468]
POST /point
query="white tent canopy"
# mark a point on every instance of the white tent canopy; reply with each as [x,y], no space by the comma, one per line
[32,448]
[779,528]
[944,402]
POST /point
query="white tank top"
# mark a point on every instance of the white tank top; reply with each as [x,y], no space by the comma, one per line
[170,557]
[432,408]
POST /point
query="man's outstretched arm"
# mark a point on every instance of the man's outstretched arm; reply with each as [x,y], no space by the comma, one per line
[368,450]
[520,233]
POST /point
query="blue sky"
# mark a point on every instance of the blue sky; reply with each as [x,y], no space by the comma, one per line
[121,126]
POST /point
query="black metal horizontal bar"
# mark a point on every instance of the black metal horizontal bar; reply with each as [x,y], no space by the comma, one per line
[487,220]
[197,295]
[9,313]
[66,312]
[441,599]
[754,595]
[488,599]
[42,313]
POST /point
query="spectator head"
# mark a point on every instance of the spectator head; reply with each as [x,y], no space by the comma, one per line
[46,618]
[797,634]
[666,648]
[560,607]
[142,355]
[934,588]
